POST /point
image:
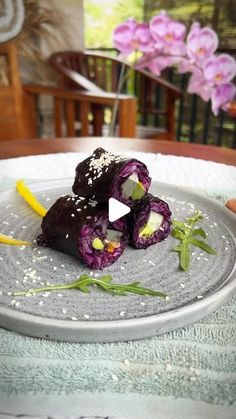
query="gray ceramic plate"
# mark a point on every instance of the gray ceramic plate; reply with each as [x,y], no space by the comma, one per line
[98,317]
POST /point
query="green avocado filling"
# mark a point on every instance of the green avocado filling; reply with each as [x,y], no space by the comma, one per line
[133,188]
[97,244]
[153,224]
[138,192]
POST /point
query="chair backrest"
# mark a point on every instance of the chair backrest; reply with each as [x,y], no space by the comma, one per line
[101,70]
[155,95]
[17,117]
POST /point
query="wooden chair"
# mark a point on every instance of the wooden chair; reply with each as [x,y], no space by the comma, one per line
[18,105]
[99,73]
[17,111]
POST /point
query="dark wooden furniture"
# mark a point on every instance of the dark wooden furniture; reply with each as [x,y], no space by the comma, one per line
[18,116]
[99,73]
[57,145]
[232,109]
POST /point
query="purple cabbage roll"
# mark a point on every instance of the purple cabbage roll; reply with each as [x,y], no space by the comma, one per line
[104,175]
[149,222]
[80,227]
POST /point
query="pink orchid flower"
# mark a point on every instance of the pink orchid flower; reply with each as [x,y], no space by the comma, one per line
[198,85]
[157,64]
[221,96]
[130,36]
[162,44]
[219,69]
[201,43]
[167,31]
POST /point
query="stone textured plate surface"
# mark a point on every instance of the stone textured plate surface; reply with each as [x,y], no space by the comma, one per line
[98,317]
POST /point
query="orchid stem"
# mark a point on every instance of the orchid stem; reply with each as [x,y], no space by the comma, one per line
[115,107]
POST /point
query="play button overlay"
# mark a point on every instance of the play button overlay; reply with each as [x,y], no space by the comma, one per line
[116,209]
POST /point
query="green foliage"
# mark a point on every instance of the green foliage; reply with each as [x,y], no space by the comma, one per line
[185,231]
[104,283]
[102,17]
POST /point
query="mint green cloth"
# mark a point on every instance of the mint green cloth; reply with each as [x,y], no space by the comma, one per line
[189,371]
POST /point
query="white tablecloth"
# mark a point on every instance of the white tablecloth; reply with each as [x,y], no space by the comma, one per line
[182,171]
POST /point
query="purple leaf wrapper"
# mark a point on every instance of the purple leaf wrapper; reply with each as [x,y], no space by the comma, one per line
[71,225]
[139,217]
[102,175]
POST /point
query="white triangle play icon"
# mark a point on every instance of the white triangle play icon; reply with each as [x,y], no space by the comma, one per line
[116,209]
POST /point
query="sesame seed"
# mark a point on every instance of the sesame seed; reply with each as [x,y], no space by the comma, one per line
[9,293]
[62,266]
[114,377]
[54,268]
[17,262]
[86,316]
[200,297]
[142,303]
[167,297]
[46,294]
[64,311]
[193,378]
[79,209]
[122,313]
[74,318]
[59,295]
[151,263]
[206,259]
[17,304]
[40,303]
[223,237]
[198,258]
[122,268]
[226,248]
[72,215]
[169,367]
[182,285]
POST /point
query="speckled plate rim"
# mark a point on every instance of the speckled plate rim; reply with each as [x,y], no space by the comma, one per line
[125,329]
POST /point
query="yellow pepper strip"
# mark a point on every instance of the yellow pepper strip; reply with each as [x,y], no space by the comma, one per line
[28,196]
[10,240]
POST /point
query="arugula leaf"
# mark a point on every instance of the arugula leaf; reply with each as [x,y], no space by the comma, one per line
[204,246]
[185,232]
[184,255]
[199,232]
[104,283]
